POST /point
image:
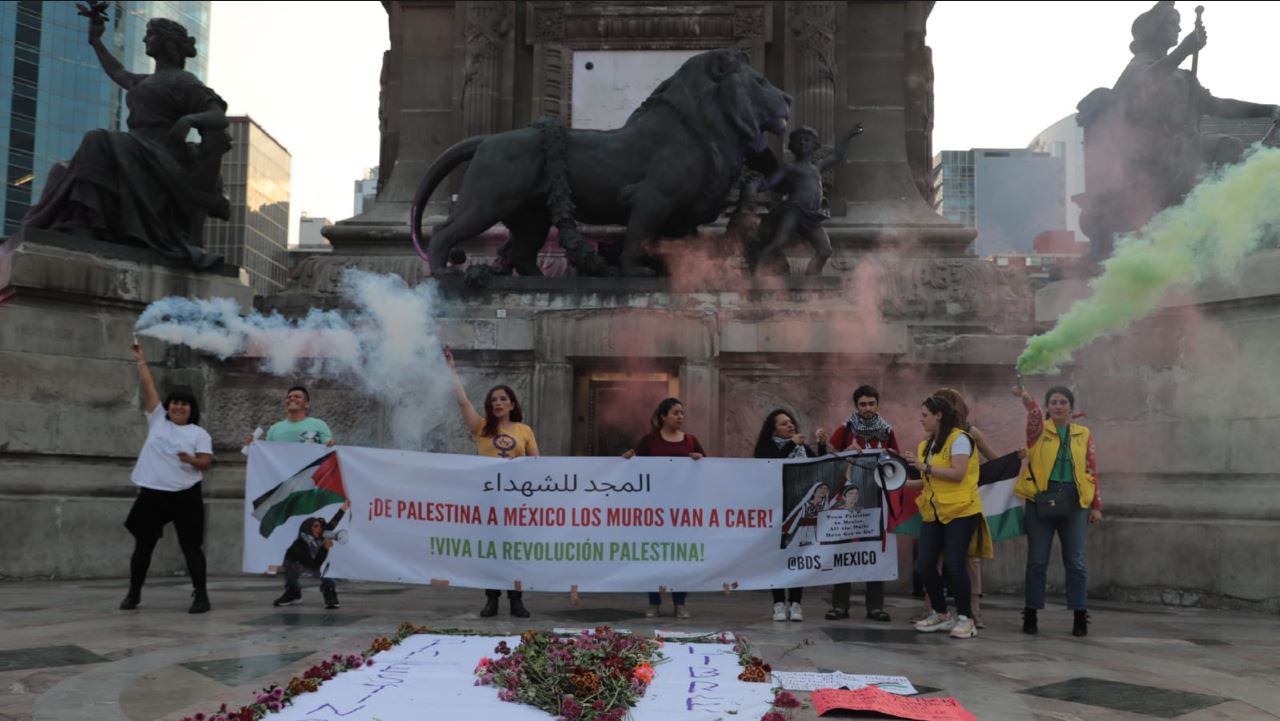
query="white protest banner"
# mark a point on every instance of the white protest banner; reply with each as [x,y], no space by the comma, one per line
[594,524]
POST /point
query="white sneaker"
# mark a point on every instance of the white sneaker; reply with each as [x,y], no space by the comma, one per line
[964,628]
[651,612]
[779,611]
[682,612]
[936,622]
[796,613]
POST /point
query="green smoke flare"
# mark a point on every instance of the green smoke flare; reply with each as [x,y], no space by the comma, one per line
[1219,223]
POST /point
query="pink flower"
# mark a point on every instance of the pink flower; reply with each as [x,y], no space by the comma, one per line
[773,716]
[484,664]
[786,699]
[570,709]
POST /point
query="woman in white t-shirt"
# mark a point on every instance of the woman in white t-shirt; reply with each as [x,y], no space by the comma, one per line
[168,474]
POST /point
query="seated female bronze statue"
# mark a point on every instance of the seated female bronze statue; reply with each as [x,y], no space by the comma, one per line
[148,186]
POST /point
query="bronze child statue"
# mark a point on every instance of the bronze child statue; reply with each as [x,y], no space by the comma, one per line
[800,211]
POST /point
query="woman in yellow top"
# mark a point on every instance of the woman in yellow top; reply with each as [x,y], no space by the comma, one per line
[950,511]
[499,433]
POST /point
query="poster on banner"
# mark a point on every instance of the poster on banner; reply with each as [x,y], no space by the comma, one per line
[832,500]
[882,702]
[600,524]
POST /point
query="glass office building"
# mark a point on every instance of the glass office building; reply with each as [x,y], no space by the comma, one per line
[53,89]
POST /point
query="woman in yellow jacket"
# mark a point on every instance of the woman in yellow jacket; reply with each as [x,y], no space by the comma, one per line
[1061,487]
[950,511]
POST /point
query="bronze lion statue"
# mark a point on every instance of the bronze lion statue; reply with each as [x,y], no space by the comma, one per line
[666,171]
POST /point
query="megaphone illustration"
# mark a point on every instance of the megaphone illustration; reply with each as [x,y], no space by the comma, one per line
[339,536]
[891,471]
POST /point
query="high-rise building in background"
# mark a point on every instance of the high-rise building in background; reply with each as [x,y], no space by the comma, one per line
[1009,195]
[1065,139]
[366,189]
[309,236]
[53,89]
[256,177]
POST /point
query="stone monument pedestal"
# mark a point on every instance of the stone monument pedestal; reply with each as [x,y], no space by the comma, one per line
[71,422]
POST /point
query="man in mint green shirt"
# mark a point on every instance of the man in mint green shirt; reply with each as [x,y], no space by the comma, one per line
[298,427]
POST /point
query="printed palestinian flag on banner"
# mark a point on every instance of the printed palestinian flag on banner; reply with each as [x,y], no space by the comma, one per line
[1002,509]
[307,491]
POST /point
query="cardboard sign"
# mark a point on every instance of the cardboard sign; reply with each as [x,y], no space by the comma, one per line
[873,699]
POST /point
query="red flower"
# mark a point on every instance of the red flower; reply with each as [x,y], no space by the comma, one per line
[773,716]
[786,699]
[644,673]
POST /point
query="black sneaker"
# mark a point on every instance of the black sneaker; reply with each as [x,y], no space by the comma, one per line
[131,599]
[331,599]
[289,598]
[878,614]
[1029,622]
[199,602]
[1081,625]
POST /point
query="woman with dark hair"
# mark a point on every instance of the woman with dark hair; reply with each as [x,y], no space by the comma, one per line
[667,438]
[780,437]
[168,473]
[148,186]
[499,433]
[950,511]
[974,565]
[1061,488]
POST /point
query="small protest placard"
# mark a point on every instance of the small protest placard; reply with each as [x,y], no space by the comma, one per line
[873,699]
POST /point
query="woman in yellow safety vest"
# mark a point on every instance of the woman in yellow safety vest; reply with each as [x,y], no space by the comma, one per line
[950,512]
[1061,487]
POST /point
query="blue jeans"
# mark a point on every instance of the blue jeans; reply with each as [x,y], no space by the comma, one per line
[1073,532]
[951,540]
[677,598]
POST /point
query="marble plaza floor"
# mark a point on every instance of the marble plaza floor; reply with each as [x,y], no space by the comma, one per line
[67,654]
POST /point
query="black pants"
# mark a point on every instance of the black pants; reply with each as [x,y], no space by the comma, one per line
[511,595]
[952,541]
[151,511]
[788,595]
[875,595]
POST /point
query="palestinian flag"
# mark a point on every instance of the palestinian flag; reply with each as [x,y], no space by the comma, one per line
[1001,509]
[310,489]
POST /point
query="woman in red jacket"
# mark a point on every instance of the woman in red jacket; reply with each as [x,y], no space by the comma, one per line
[667,438]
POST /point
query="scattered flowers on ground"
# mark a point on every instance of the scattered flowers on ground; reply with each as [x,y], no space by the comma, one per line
[594,675]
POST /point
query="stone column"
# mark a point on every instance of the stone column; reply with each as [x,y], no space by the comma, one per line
[419,109]
[811,60]
[875,185]
[552,411]
[552,60]
[486,31]
[698,393]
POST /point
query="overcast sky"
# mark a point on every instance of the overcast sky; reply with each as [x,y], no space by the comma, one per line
[308,73]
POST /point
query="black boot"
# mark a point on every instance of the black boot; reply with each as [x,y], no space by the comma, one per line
[517,608]
[199,601]
[1081,625]
[490,608]
[131,599]
[1029,623]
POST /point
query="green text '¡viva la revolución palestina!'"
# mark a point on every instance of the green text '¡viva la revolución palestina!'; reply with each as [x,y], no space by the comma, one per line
[570,551]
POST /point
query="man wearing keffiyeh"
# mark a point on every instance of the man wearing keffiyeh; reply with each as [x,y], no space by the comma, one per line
[865,428]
